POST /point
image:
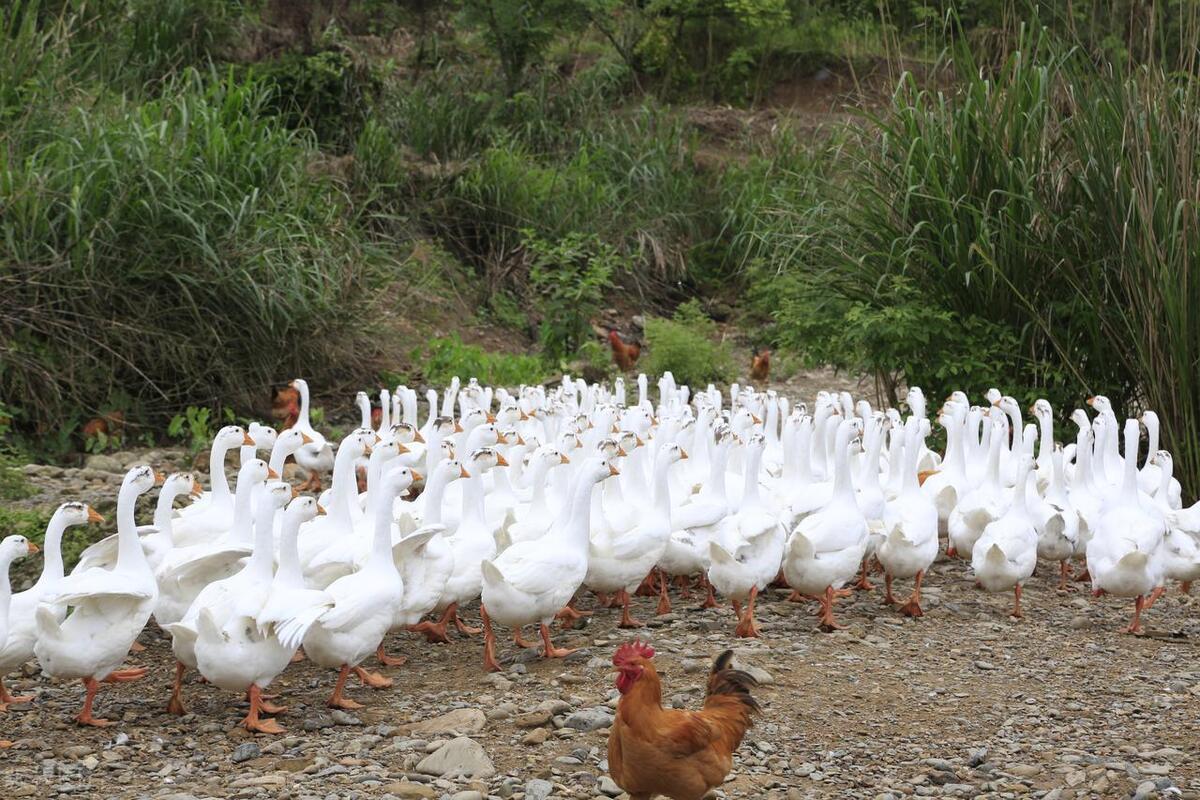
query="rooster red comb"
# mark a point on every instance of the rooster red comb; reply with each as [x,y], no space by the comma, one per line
[631,650]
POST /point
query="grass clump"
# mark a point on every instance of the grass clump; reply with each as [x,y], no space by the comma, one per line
[688,346]
[440,359]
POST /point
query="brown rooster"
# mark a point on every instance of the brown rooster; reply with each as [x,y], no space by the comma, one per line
[624,355]
[760,365]
[679,754]
[285,406]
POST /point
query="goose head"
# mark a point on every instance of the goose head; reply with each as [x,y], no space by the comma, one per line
[406,433]
[399,479]
[264,436]
[76,513]
[450,469]
[993,396]
[143,478]
[445,426]
[254,472]
[181,483]
[279,494]
[13,548]
[1042,410]
[610,448]
[303,509]
[289,442]
[1165,461]
[1101,403]
[486,458]
[629,440]
[232,436]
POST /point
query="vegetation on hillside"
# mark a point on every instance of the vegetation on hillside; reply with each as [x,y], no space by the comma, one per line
[201,198]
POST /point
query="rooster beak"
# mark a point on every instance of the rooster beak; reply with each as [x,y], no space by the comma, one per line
[272,474]
[320,510]
[247,441]
[94,515]
[32,548]
[305,438]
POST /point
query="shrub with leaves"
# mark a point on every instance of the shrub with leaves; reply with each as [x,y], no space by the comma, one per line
[569,278]
[688,346]
[440,359]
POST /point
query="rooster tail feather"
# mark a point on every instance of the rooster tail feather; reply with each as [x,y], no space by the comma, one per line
[725,680]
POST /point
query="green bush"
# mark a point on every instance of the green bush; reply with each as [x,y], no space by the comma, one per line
[687,345]
[569,278]
[171,251]
[441,359]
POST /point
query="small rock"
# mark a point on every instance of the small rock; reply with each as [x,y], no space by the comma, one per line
[408,791]
[984,665]
[461,721]
[538,789]
[535,736]
[461,757]
[534,719]
[102,462]
[759,674]
[977,756]
[246,751]
[470,794]
[589,719]
[340,717]
[609,787]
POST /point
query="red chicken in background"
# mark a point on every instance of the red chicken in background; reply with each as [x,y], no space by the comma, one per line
[285,406]
[678,754]
[625,356]
[760,365]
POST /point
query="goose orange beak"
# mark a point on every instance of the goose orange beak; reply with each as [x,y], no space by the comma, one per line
[400,448]
[417,437]
[272,474]
[501,461]
[1091,401]
[491,417]
[417,476]
[458,428]
[464,473]
[159,478]
[621,452]
[563,460]
[295,492]
[501,438]
[33,548]
[247,441]
[320,510]
[197,489]
[94,515]
[613,470]
[305,438]
[683,454]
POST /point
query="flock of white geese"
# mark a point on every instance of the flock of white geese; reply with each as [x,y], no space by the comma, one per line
[529,497]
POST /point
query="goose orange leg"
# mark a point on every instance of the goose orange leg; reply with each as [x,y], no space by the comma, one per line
[568,617]
[685,591]
[1138,606]
[175,704]
[462,626]
[889,599]
[1064,575]
[627,621]
[338,698]
[549,650]
[827,623]
[747,627]
[1083,576]
[1016,612]
[521,641]
[372,679]
[85,717]
[435,632]
[1185,587]
[647,588]
[710,597]
[490,664]
[7,699]
[389,661]
[862,582]
[912,608]
[253,721]
[664,598]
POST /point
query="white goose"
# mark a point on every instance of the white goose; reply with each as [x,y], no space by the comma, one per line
[529,582]
[317,455]
[1006,554]
[359,608]
[212,513]
[1055,519]
[1181,549]
[910,522]
[1124,556]
[11,549]
[157,539]
[980,506]
[826,547]
[237,655]
[22,628]
[111,608]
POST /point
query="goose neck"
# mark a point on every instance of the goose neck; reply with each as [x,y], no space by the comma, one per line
[129,548]
[52,564]
[164,511]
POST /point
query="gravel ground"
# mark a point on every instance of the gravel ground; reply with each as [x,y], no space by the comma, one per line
[963,702]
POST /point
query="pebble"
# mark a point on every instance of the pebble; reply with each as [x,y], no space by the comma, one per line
[589,719]
[538,789]
[245,752]
[461,757]
[461,721]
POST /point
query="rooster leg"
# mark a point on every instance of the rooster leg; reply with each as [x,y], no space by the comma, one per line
[747,627]
[6,698]
[685,592]
[338,699]
[888,598]
[175,704]
[372,679]
[912,608]
[626,620]
[647,587]
[462,626]
[1138,606]
[489,642]
[85,716]
[1083,576]
[253,722]
[1064,575]
[550,651]
[1016,612]
[664,598]
[520,641]
[567,617]
[827,623]
[389,661]
[1154,595]
[863,583]
[710,598]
